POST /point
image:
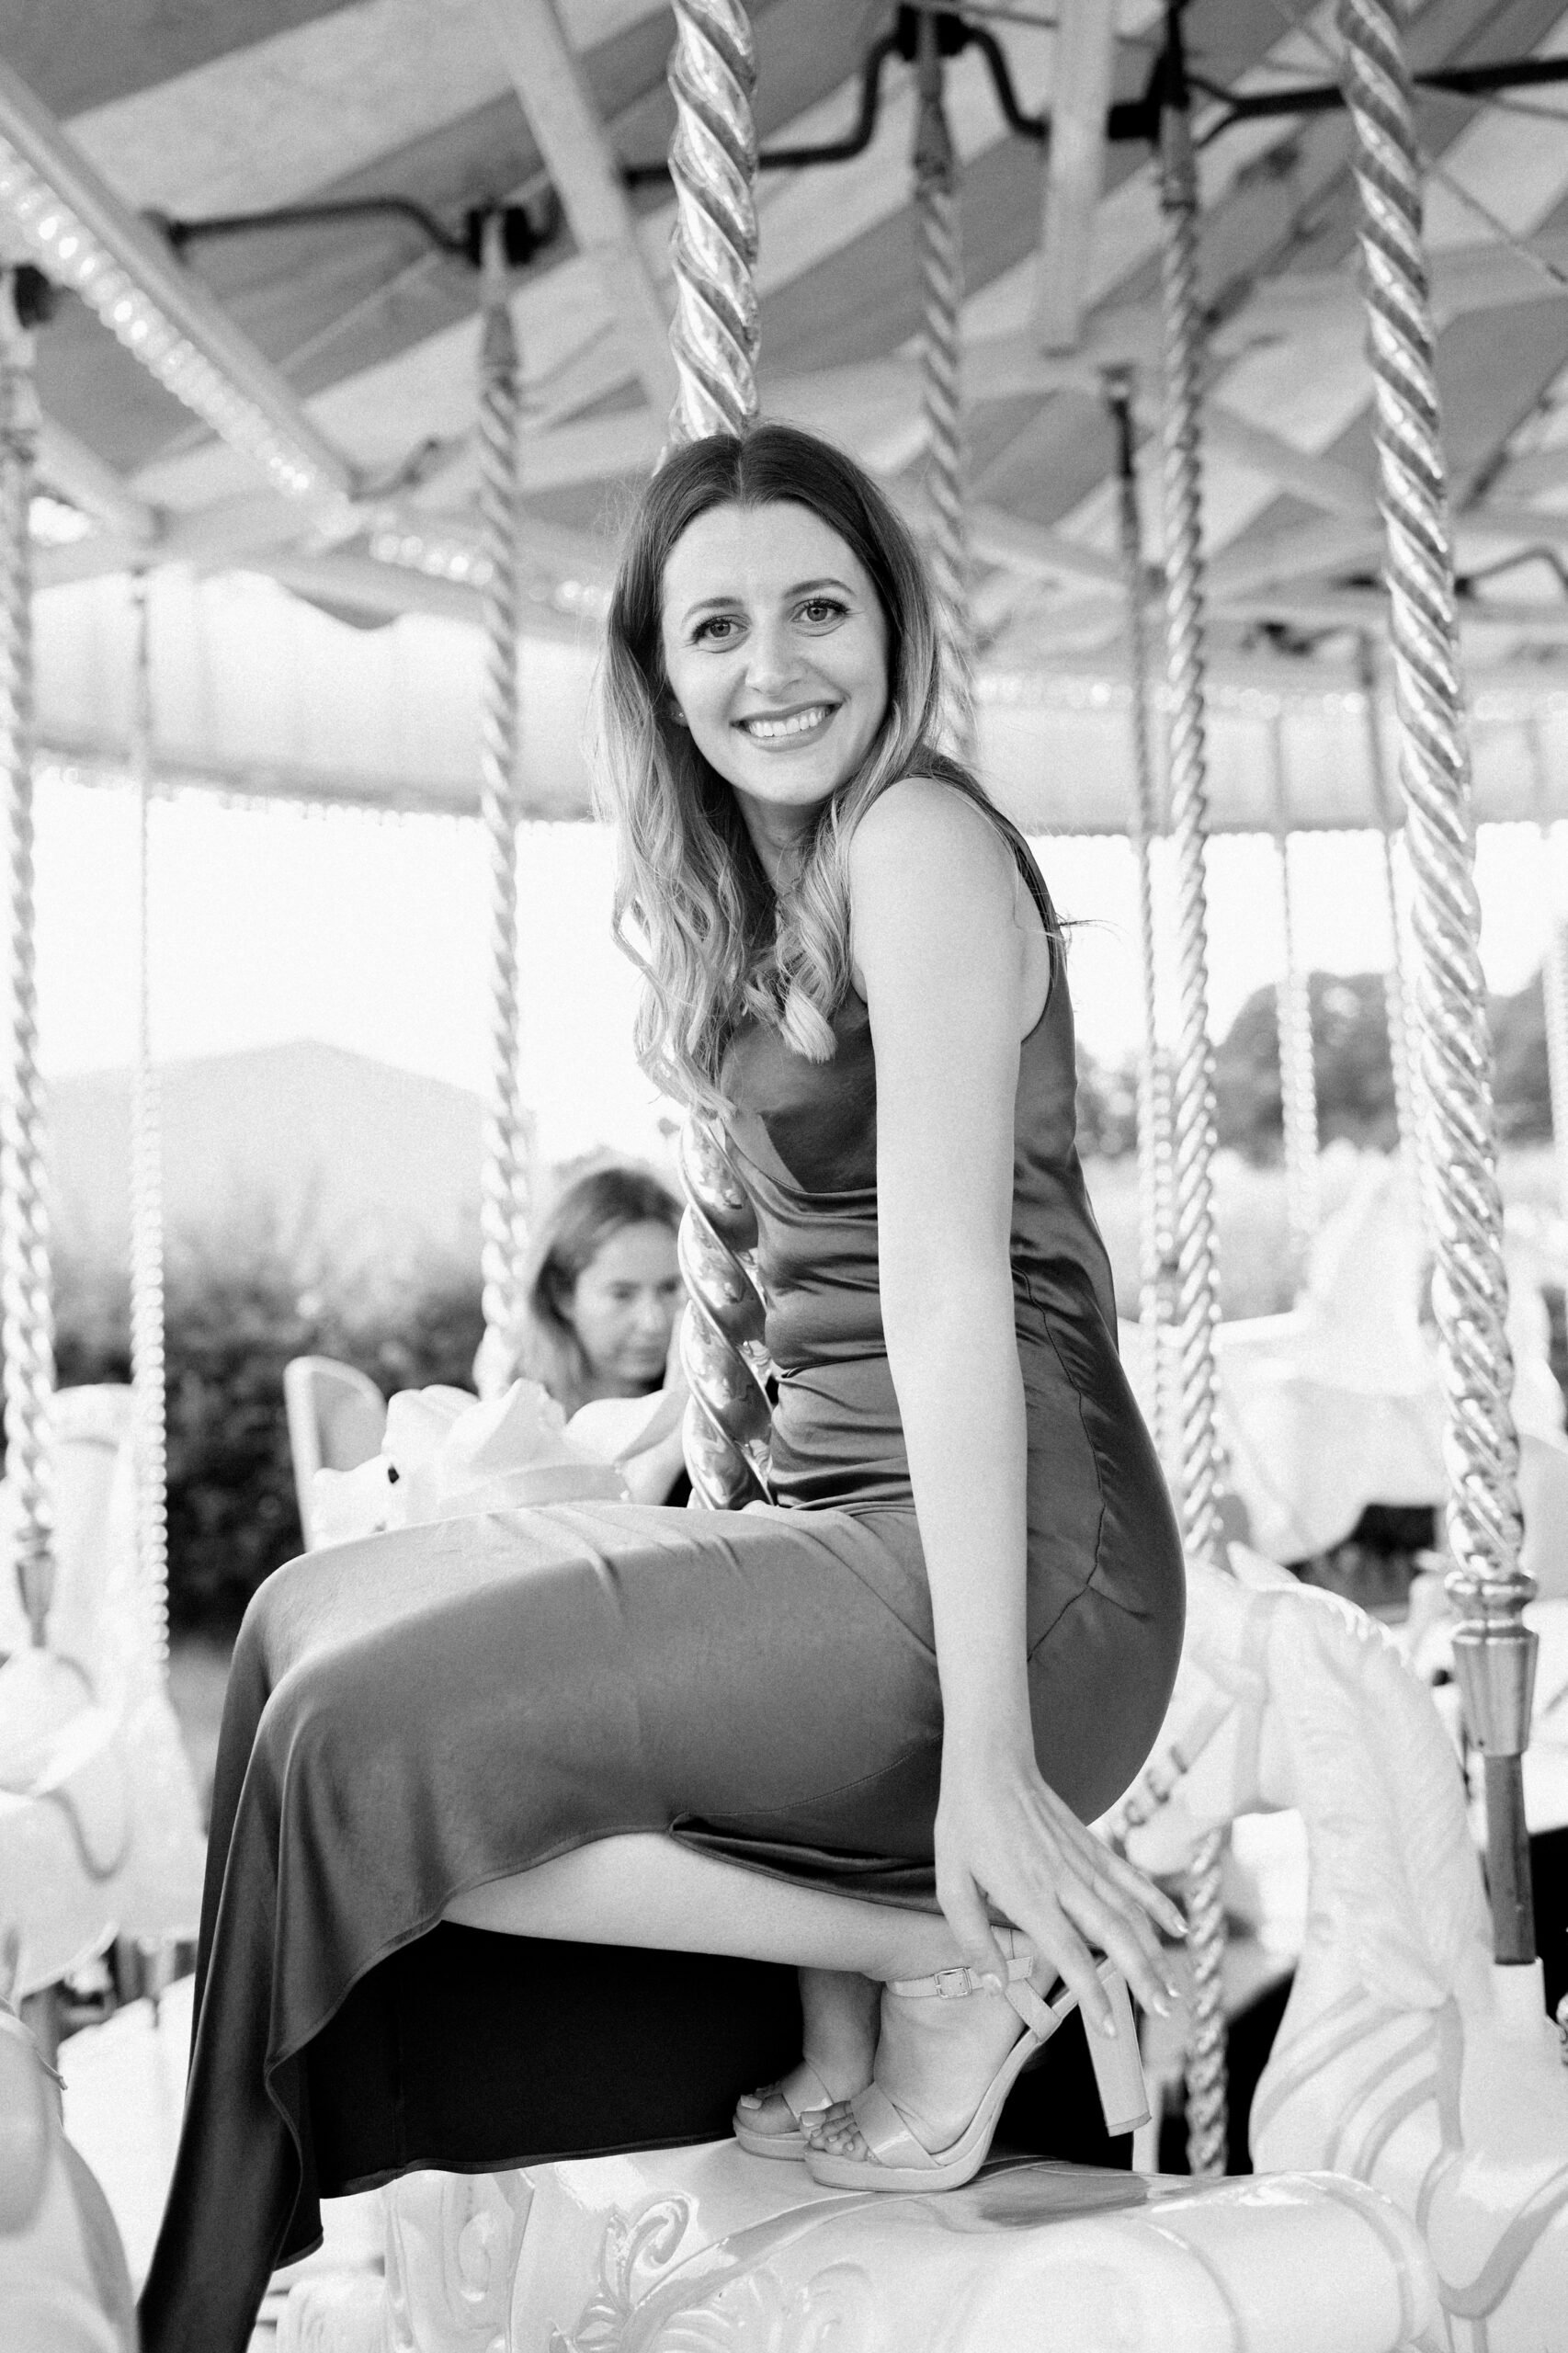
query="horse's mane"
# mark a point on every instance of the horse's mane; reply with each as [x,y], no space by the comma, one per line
[1380,1789]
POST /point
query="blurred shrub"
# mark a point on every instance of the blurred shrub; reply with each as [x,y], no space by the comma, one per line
[1355,1080]
[237,1310]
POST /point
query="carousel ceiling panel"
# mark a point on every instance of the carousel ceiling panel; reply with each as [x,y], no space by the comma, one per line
[117,46]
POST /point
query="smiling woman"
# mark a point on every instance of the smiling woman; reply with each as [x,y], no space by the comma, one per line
[861,1727]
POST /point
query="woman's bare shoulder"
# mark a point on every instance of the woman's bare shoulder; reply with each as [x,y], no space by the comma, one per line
[919,826]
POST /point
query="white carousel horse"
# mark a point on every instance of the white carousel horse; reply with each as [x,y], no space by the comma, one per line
[707,2250]
[1405,2059]
[100,1833]
[1338,1403]
[63,2283]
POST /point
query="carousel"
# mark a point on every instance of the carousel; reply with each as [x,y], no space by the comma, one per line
[1218,354]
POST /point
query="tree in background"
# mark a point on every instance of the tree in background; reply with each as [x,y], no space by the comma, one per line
[1355,1080]
[1108,1106]
[238,1307]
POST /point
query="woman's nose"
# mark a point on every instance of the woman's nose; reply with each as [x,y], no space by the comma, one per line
[774,660]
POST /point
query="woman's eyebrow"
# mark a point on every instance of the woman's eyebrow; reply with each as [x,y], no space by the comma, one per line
[799,588]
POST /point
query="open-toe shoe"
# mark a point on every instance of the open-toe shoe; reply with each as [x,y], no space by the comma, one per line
[803,2092]
[895,2160]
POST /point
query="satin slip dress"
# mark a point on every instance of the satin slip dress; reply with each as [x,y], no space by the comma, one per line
[417,1713]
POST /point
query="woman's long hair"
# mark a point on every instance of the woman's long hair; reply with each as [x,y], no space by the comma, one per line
[588,1213]
[693,908]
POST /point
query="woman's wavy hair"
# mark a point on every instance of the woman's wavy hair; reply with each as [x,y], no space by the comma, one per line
[694,909]
[588,1213]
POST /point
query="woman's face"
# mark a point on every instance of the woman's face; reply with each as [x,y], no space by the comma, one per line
[777,655]
[623,1308]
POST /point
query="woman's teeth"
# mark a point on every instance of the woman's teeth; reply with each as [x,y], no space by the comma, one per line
[769,730]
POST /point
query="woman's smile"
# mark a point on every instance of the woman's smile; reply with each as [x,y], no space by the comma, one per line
[786,729]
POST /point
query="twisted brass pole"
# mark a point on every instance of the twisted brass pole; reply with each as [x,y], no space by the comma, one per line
[714,339]
[151,1447]
[1397,980]
[26,1323]
[1297,1079]
[713,249]
[1495,1651]
[503,1180]
[1193,1085]
[1156,1258]
[939,235]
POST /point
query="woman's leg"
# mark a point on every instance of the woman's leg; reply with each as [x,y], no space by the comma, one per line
[647,1890]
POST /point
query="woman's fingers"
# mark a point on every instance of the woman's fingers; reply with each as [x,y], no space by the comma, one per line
[1140,1961]
[1142,1889]
[1055,1939]
[1134,1919]
[964,1907]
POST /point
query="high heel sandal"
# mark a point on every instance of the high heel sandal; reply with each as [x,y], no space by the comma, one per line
[803,2092]
[895,2160]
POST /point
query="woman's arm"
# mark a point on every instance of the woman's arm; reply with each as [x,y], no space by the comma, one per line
[942,964]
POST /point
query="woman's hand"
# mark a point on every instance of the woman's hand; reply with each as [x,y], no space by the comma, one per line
[1004,1833]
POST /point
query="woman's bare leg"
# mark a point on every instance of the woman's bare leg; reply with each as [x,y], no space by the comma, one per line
[644,1889]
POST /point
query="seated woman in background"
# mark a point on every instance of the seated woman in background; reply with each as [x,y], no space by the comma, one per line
[602,1304]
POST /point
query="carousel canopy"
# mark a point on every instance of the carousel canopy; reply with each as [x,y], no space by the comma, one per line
[275,414]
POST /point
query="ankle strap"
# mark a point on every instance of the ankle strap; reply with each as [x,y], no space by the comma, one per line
[956,1983]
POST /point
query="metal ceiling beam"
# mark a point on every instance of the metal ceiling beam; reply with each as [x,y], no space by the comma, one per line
[553,93]
[1074,168]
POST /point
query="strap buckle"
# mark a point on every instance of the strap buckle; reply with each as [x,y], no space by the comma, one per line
[953,1984]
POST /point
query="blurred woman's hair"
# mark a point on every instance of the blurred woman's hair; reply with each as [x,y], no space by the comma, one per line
[587,1214]
[693,907]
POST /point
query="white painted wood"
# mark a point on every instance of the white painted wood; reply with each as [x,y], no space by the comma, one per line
[1075,170]
[553,93]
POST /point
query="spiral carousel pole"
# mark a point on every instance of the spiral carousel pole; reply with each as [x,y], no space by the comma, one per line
[714,338]
[938,229]
[504,1189]
[26,1323]
[1397,980]
[1495,1651]
[1193,1141]
[150,1446]
[1156,1256]
[1297,1079]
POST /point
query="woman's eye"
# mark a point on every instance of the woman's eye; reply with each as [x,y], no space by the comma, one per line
[817,609]
[713,629]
